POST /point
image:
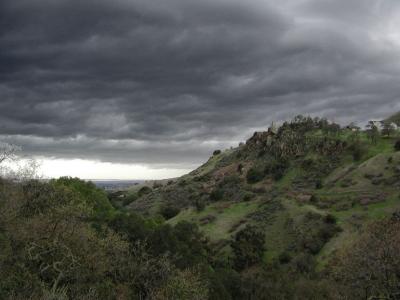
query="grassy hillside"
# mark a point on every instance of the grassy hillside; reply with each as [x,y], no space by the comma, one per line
[286,184]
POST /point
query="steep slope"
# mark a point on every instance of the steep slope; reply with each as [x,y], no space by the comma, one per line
[310,187]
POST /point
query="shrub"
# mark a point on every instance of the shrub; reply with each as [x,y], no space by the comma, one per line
[284,258]
[217,194]
[240,169]
[129,199]
[357,151]
[314,199]
[304,263]
[169,211]
[216,152]
[248,247]
[330,219]
[397,146]
[276,169]
[144,191]
[200,205]
[313,244]
[318,184]
[255,174]
[248,196]
[157,185]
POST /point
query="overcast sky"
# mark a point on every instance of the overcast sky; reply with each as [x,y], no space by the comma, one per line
[148,88]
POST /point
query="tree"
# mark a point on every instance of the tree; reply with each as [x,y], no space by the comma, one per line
[184,285]
[370,267]
[8,152]
[168,211]
[387,129]
[89,193]
[372,132]
[216,152]
[248,247]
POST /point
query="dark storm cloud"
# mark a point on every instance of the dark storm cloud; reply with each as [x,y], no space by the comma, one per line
[166,81]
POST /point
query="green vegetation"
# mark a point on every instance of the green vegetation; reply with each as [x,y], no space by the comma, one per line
[248,247]
[397,146]
[310,188]
[255,174]
[307,211]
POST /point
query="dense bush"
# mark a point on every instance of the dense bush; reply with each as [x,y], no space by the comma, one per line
[87,192]
[304,263]
[200,204]
[276,169]
[144,191]
[129,199]
[216,152]
[48,228]
[330,219]
[370,266]
[240,169]
[217,194]
[357,150]
[397,146]
[284,257]
[314,231]
[255,174]
[169,211]
[229,188]
[248,247]
[318,184]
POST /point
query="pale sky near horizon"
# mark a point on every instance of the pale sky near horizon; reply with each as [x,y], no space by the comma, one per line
[139,89]
[87,169]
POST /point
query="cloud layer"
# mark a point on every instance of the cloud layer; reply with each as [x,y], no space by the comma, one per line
[164,82]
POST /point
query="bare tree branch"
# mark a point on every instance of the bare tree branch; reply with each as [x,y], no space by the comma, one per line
[8,152]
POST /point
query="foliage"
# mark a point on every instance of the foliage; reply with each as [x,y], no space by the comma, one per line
[255,174]
[370,267]
[357,150]
[47,228]
[129,199]
[144,191]
[248,247]
[89,193]
[200,205]
[217,194]
[397,145]
[276,168]
[216,152]
[185,285]
[387,129]
[229,188]
[372,132]
[63,240]
[169,211]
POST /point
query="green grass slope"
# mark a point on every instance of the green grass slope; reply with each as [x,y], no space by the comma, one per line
[310,188]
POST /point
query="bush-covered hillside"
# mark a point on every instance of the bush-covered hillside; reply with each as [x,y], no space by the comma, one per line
[309,210]
[310,187]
